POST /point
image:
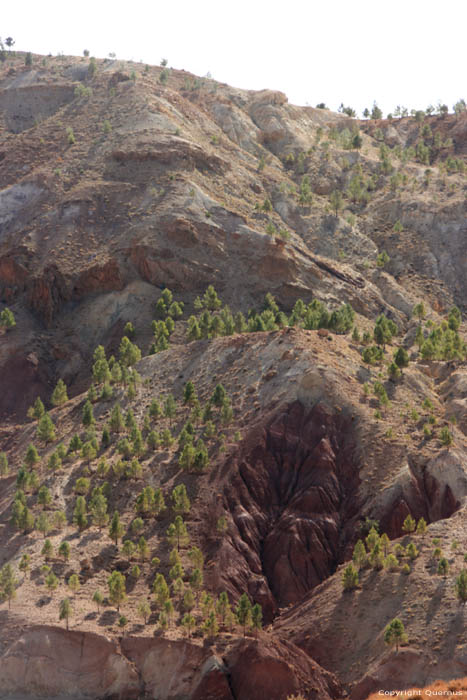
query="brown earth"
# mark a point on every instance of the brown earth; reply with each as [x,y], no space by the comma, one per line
[165,185]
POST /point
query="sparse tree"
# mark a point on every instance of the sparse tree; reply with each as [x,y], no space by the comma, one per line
[128,549]
[421,527]
[98,599]
[88,414]
[59,394]
[243,612]
[117,589]
[45,429]
[335,200]
[359,555]
[188,623]
[443,567]
[44,497]
[408,525]
[8,583]
[3,464]
[116,529]
[144,610]
[74,584]
[394,634]
[47,550]
[7,319]
[180,500]
[256,618]
[461,587]
[64,550]
[43,524]
[80,517]
[66,610]
[350,578]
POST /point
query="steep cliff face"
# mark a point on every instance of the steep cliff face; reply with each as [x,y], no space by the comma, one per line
[293,502]
[50,662]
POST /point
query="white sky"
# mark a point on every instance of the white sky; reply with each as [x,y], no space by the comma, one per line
[408,52]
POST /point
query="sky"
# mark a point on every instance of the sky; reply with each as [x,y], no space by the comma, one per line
[406,52]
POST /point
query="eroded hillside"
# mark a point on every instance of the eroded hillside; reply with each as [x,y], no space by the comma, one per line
[257,428]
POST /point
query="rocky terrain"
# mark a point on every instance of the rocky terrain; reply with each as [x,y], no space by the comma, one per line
[119,181]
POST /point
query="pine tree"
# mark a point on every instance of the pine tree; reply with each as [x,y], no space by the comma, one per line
[59,519]
[66,611]
[188,600]
[116,529]
[187,457]
[64,550]
[47,550]
[37,410]
[98,507]
[385,543]
[32,456]
[105,439]
[179,533]
[335,200]
[7,319]
[160,590]
[75,444]
[74,584]
[180,501]
[143,548]
[222,606]
[188,623]
[51,581]
[196,580]
[226,412]
[8,583]
[408,525]
[256,618]
[243,612]
[461,586]
[210,626]
[372,539]
[116,419]
[153,440]
[80,517]
[128,549]
[155,410]
[45,429]
[25,563]
[117,589]
[144,611]
[189,393]
[44,497]
[59,394]
[170,408]
[421,527]
[3,464]
[88,414]
[210,299]
[394,633]
[359,555]
[349,578]
[43,524]
[129,353]
[196,557]
[218,396]
[401,358]
[443,567]
[98,599]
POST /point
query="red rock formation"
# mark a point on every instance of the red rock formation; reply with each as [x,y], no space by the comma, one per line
[292,500]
